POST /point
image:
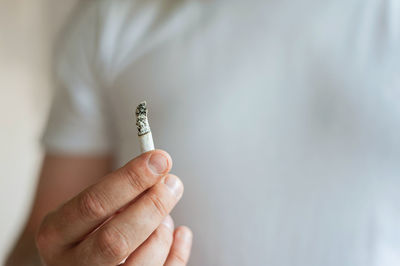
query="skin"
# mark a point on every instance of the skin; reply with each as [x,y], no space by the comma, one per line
[124,216]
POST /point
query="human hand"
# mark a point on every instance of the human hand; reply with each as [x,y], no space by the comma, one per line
[124,215]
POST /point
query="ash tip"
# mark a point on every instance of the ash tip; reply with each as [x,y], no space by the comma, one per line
[141,109]
[142,122]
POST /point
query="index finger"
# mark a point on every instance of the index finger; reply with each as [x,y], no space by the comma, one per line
[82,214]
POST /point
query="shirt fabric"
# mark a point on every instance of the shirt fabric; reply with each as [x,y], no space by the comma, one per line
[282,118]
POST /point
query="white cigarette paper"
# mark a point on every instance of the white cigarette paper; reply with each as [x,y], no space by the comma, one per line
[144,132]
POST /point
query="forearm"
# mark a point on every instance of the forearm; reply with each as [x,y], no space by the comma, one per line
[24,252]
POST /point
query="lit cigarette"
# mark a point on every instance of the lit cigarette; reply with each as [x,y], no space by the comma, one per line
[144,132]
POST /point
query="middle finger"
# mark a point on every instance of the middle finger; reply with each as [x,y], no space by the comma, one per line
[119,237]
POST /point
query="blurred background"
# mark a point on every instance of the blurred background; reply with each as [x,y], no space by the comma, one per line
[28,30]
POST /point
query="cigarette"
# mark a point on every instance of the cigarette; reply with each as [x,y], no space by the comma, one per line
[144,132]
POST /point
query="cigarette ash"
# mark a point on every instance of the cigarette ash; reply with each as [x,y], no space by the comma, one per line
[142,122]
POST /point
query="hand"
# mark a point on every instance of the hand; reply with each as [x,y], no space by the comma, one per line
[124,216]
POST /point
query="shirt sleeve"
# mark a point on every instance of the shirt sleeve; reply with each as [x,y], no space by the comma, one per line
[77,122]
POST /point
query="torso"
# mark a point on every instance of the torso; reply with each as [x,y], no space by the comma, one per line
[283,121]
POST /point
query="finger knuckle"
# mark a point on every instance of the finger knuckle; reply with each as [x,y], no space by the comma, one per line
[158,204]
[179,257]
[44,235]
[90,205]
[135,179]
[112,243]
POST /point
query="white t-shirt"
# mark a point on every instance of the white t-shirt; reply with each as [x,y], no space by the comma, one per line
[282,118]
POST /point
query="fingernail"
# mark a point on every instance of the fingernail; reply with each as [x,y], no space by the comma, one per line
[168,222]
[185,236]
[158,163]
[174,185]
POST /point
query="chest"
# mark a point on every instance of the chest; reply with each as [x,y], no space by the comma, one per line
[263,106]
[285,80]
